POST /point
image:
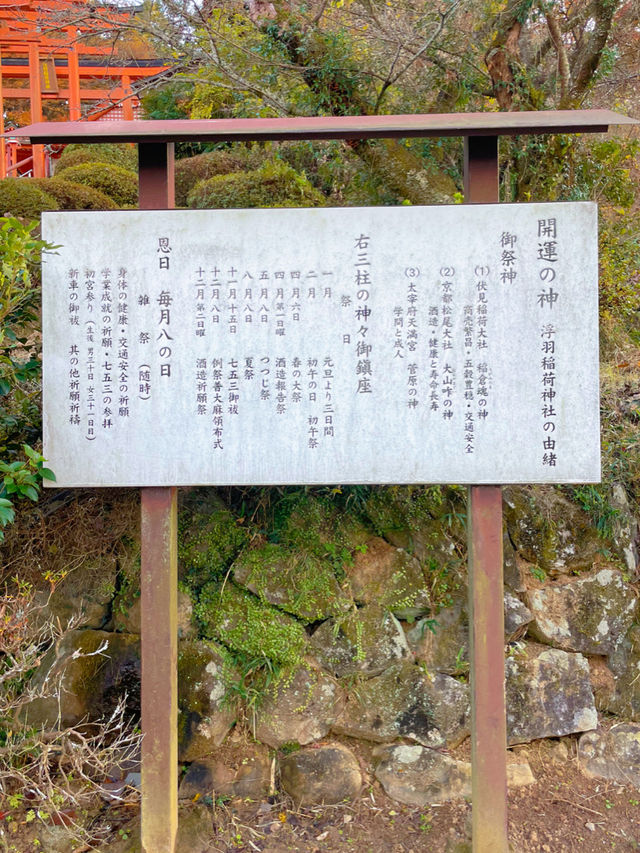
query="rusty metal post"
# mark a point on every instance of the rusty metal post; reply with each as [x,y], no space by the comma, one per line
[486,596]
[159,599]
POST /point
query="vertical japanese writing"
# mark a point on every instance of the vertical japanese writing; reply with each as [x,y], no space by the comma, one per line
[202,398]
[232,296]
[434,357]
[468,375]
[215,295]
[73,297]
[281,385]
[548,394]
[217,411]
[233,388]
[163,251]
[547,255]
[363,313]
[412,338]
[74,385]
[265,371]
[482,373]
[296,393]
[144,369]
[123,343]
[448,373]
[200,304]
[280,306]
[90,378]
[508,259]
[328,408]
[89,290]
[106,307]
[398,325]
[165,301]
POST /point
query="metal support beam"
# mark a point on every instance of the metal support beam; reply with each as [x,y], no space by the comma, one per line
[486,597]
[159,599]
[156,164]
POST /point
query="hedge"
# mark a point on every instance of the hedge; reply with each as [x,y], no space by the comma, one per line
[120,154]
[275,184]
[119,184]
[192,170]
[24,198]
[73,196]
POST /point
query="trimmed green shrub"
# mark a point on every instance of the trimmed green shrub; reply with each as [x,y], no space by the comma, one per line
[191,170]
[119,184]
[72,196]
[275,184]
[119,154]
[23,197]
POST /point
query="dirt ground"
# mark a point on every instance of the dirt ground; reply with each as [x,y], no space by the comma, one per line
[563,812]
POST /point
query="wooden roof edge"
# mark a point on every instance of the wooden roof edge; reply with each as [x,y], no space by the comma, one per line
[327,127]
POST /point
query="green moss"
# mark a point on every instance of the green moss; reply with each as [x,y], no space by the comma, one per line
[209,538]
[24,198]
[73,196]
[193,657]
[121,185]
[245,624]
[315,525]
[119,154]
[298,583]
[398,508]
[274,184]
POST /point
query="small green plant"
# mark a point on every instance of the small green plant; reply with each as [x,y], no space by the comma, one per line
[15,800]
[424,823]
[21,479]
[594,500]
[538,573]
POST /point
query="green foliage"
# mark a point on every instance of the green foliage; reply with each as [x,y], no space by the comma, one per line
[168,102]
[619,257]
[275,184]
[20,253]
[209,539]
[24,198]
[565,167]
[594,500]
[115,154]
[118,183]
[74,196]
[191,170]
[240,621]
[171,101]
[21,479]
[19,362]
[602,171]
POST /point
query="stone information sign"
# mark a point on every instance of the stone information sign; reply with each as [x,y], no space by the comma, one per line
[452,344]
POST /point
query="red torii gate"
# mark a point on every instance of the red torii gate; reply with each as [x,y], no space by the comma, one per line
[40,42]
